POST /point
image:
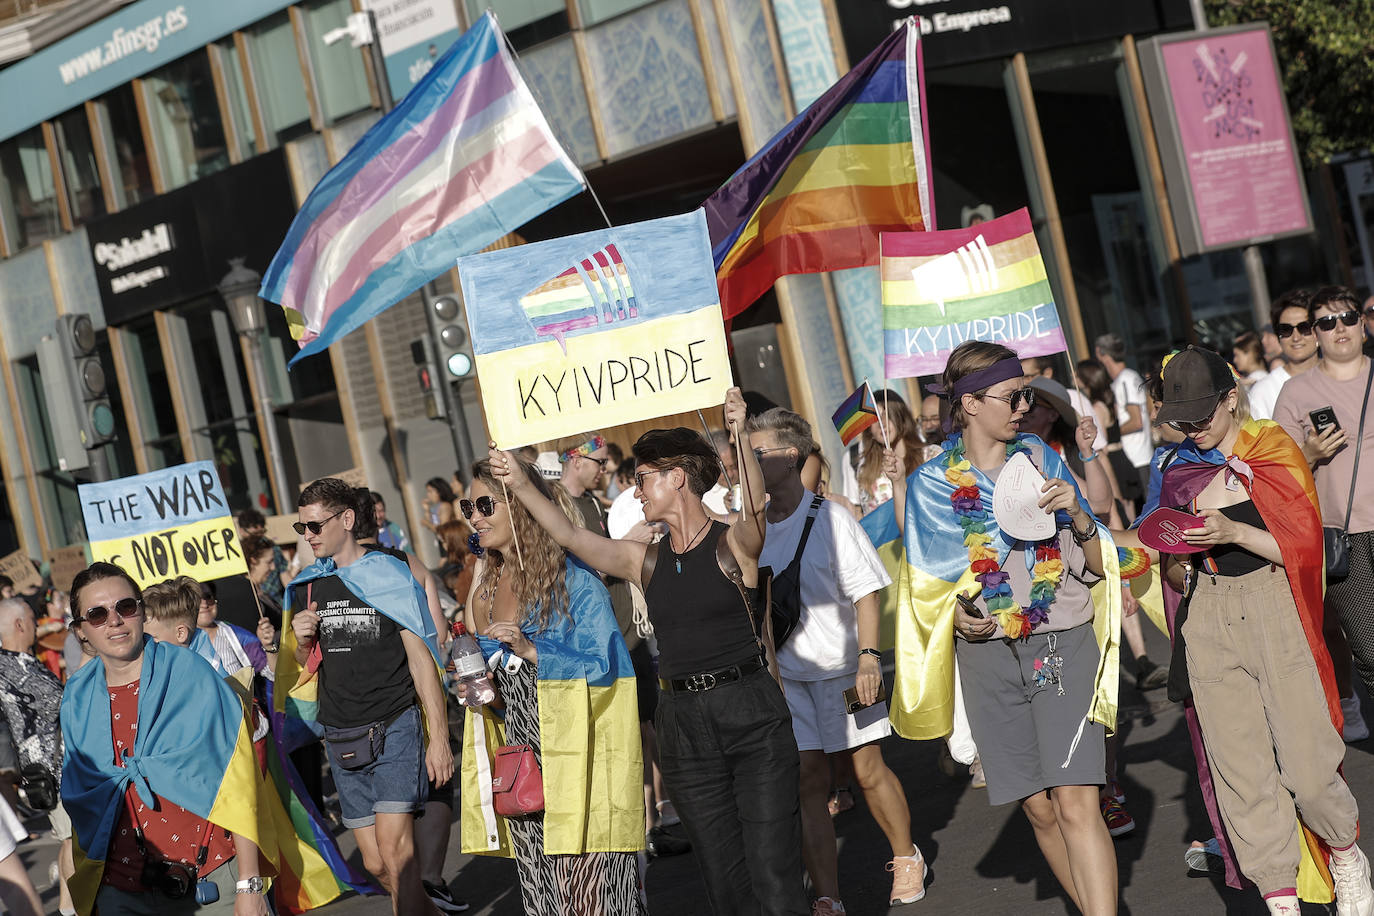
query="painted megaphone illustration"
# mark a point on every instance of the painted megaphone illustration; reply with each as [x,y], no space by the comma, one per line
[594,290]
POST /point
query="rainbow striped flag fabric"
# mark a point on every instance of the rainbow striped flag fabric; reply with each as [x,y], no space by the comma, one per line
[856,414]
[852,165]
[465,158]
[986,282]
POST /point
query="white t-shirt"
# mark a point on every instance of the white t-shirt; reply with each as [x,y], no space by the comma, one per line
[839,567]
[1080,403]
[1264,394]
[626,511]
[1129,388]
[716,499]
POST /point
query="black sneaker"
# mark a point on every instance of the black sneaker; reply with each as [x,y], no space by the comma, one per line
[440,896]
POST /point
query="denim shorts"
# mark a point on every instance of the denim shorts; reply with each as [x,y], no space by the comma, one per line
[395,783]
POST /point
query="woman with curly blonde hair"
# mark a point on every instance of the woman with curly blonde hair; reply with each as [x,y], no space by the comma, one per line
[546,626]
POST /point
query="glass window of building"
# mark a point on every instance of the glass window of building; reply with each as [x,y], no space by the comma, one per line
[524,21]
[152,393]
[80,172]
[28,195]
[340,75]
[61,509]
[277,79]
[185,120]
[123,139]
[235,90]
[594,11]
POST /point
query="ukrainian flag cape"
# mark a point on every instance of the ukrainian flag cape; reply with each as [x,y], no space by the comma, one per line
[886,535]
[937,566]
[193,748]
[588,732]
[379,579]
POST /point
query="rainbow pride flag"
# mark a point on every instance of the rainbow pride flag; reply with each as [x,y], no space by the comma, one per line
[465,158]
[815,198]
[986,282]
[856,414]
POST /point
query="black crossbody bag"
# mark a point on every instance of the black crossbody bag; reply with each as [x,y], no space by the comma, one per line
[1336,541]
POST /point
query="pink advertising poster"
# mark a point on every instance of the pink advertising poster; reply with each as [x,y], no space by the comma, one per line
[1235,137]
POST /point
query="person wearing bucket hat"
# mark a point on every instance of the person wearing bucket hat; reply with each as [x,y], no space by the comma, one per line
[1247,626]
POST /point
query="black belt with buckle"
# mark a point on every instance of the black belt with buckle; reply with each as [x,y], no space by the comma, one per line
[708,680]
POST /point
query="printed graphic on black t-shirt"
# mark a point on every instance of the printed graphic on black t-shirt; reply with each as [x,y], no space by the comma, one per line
[364,675]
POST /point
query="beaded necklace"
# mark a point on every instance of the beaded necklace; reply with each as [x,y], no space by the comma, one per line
[967,501]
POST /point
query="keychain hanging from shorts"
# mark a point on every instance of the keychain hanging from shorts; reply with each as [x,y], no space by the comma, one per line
[1050,669]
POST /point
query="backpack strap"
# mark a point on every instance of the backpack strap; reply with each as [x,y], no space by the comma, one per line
[646,569]
[811,514]
[762,622]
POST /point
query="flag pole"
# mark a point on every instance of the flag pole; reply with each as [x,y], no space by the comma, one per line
[707,430]
[881,425]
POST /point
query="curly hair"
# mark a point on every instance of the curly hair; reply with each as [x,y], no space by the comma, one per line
[541,589]
[901,427]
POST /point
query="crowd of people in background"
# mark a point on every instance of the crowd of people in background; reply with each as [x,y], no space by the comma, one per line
[634,585]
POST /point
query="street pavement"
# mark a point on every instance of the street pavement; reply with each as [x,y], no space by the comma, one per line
[983,860]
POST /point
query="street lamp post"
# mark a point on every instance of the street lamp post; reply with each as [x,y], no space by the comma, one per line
[239,289]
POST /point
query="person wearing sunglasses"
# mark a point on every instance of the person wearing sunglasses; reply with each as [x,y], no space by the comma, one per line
[359,641]
[1247,622]
[152,734]
[1034,625]
[700,583]
[1292,318]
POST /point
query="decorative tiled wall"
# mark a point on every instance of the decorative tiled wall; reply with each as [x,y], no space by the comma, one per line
[553,76]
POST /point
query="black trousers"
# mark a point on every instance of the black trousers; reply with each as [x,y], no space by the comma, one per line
[730,763]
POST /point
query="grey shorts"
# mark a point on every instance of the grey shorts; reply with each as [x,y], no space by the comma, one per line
[1024,731]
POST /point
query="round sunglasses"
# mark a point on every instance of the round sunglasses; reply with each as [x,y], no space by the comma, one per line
[99,616]
[484,505]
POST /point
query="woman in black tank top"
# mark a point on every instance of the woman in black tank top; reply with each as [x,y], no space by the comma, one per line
[724,732]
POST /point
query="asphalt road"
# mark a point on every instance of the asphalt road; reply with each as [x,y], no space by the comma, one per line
[983,859]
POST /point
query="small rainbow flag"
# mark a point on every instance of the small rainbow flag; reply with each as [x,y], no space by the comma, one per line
[986,282]
[815,198]
[858,412]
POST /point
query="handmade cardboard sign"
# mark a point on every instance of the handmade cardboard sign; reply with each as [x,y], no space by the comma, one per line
[64,563]
[19,567]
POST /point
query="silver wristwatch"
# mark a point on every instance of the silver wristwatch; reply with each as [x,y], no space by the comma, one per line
[248,886]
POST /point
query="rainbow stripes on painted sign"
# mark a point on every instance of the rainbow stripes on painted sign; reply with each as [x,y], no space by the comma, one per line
[465,158]
[986,282]
[856,414]
[815,198]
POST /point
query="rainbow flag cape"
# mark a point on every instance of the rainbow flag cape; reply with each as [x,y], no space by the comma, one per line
[852,165]
[465,158]
[193,748]
[937,565]
[856,414]
[986,282]
[588,732]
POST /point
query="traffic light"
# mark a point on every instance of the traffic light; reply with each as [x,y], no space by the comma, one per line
[74,387]
[455,351]
[428,372]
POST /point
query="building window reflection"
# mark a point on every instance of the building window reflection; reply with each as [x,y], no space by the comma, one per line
[28,196]
[80,173]
[185,120]
[277,80]
[340,75]
[122,137]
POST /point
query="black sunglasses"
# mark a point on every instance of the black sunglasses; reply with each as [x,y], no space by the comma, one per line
[1349,318]
[315,527]
[485,505]
[602,462]
[99,616]
[1018,398]
[1285,331]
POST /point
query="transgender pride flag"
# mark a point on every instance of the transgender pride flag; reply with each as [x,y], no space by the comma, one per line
[465,158]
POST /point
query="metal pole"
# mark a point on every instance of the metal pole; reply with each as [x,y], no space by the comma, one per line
[267,410]
[99,466]
[453,404]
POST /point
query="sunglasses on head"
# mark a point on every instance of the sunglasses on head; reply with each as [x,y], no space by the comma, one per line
[315,527]
[99,616]
[484,505]
[1017,399]
[1303,328]
[1349,318]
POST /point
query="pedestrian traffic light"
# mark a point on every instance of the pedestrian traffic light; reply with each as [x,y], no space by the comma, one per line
[427,371]
[74,388]
[455,350]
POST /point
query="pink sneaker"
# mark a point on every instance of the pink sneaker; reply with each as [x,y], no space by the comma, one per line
[826,906]
[908,879]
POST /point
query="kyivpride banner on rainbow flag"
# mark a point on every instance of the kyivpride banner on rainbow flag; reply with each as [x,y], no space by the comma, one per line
[167,523]
[597,329]
[986,282]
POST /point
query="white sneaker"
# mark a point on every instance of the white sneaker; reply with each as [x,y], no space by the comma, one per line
[1355,727]
[1354,897]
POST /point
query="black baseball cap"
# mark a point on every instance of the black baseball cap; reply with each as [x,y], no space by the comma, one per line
[1194,381]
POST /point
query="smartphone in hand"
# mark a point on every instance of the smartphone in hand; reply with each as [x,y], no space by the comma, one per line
[853,704]
[1322,419]
[968,606]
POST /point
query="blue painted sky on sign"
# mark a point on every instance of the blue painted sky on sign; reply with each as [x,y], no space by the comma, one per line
[156,501]
[668,270]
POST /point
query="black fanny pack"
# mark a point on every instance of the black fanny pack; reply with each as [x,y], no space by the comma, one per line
[357,746]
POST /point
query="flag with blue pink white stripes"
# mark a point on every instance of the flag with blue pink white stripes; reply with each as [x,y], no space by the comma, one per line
[465,158]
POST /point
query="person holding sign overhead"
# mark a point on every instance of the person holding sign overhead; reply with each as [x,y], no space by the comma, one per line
[726,747]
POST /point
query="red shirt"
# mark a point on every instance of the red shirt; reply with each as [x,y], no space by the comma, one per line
[170,832]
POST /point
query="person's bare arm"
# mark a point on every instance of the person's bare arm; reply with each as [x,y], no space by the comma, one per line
[1218,529]
[431,586]
[746,534]
[893,469]
[622,559]
[1134,423]
[246,857]
[438,756]
[870,676]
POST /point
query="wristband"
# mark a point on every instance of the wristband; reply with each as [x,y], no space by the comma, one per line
[1086,458]
[873,652]
[1083,537]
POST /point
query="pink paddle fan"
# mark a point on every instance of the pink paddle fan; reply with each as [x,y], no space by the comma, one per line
[1163,529]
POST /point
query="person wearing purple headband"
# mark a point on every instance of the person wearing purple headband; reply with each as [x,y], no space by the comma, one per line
[1036,649]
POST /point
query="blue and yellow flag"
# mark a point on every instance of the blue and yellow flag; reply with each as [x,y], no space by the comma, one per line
[937,566]
[886,535]
[588,732]
[194,748]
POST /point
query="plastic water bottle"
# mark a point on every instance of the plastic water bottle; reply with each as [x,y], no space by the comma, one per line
[471,682]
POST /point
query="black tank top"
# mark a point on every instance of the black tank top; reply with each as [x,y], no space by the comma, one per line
[698,615]
[1232,560]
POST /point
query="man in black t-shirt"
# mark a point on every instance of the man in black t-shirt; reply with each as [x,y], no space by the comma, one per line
[373,661]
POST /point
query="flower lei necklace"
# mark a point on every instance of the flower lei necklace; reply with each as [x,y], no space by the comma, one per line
[967,501]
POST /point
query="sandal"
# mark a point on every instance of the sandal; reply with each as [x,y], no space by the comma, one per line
[841,800]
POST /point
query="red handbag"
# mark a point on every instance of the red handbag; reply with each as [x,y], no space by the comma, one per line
[517,785]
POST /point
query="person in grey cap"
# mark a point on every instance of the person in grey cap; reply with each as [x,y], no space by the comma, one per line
[1250,629]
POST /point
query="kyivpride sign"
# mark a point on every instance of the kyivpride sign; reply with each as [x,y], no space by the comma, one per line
[167,523]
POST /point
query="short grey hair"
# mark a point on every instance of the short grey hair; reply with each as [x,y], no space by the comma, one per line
[1112,345]
[10,611]
[720,439]
[791,429]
